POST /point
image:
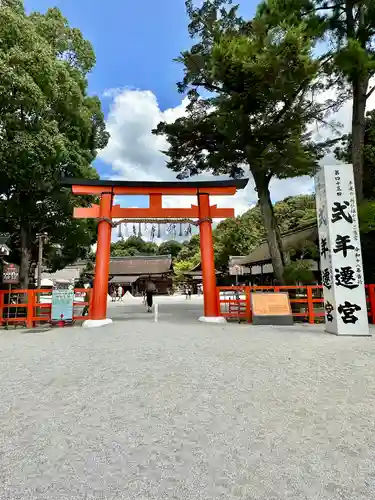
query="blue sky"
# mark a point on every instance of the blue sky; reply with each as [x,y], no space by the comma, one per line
[134,41]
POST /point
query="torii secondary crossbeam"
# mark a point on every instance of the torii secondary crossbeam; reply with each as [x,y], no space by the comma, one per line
[105,211]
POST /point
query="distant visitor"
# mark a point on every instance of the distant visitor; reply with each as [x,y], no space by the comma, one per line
[150,290]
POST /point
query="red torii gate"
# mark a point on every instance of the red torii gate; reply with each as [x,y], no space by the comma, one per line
[106,211]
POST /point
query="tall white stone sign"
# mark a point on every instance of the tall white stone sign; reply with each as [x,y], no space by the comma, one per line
[340,251]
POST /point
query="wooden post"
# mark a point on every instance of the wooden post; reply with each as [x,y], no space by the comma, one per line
[371,296]
[91,296]
[218,301]
[30,308]
[1,307]
[9,302]
[248,303]
[310,304]
[207,258]
[100,292]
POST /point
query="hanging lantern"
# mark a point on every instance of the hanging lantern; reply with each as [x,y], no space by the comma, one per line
[119,233]
[153,232]
[126,231]
[159,230]
[134,230]
[188,230]
[139,230]
[180,229]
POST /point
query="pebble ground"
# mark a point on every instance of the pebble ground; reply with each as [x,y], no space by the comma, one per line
[182,410]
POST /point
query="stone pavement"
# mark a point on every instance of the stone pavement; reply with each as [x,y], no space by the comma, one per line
[183,410]
[174,309]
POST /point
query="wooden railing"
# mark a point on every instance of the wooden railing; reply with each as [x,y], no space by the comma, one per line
[306,301]
[31,307]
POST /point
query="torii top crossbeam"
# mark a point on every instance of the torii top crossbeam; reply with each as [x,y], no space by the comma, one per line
[106,211]
[155,191]
[97,186]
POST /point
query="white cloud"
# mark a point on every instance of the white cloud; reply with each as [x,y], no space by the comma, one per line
[135,154]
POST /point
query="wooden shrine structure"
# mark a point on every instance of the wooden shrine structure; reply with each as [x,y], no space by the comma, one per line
[200,215]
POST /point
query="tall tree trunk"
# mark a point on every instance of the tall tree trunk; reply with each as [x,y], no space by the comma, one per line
[270,224]
[25,258]
[360,86]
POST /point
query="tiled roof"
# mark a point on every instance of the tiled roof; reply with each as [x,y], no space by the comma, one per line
[123,279]
[140,264]
[197,271]
[70,272]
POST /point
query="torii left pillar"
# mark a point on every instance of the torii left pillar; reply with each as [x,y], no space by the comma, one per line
[103,251]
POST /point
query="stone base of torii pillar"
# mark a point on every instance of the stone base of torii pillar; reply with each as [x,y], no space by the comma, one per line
[212,319]
[94,323]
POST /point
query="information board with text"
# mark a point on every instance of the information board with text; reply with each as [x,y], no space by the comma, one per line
[62,304]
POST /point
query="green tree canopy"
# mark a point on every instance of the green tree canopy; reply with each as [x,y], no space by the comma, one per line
[349,28]
[259,83]
[190,250]
[134,245]
[295,212]
[50,128]
[170,247]
[238,236]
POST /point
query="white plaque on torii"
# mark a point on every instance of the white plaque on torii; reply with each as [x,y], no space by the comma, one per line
[340,251]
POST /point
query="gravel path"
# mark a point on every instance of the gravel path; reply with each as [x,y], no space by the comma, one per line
[177,411]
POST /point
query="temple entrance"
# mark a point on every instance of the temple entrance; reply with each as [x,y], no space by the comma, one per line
[200,215]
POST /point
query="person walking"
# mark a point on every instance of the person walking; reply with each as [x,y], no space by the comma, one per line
[150,290]
[119,293]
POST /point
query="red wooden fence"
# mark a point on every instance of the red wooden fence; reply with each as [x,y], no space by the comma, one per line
[306,301]
[29,307]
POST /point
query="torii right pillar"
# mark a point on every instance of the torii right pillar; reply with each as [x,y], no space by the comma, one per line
[211,313]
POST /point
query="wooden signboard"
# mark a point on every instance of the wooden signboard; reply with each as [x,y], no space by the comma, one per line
[11,274]
[271,309]
[237,270]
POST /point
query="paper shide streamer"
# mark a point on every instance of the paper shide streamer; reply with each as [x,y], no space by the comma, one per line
[153,228]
